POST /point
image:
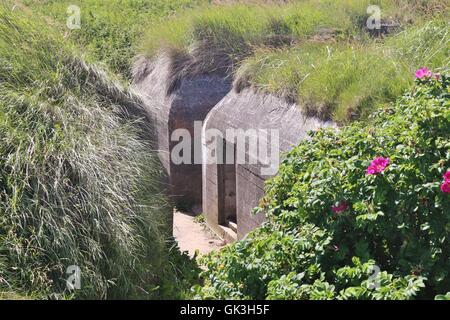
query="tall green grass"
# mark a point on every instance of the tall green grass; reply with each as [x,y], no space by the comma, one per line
[239,26]
[78,183]
[110,30]
[345,81]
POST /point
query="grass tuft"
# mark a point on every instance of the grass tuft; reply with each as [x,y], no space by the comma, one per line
[345,81]
[110,30]
[78,183]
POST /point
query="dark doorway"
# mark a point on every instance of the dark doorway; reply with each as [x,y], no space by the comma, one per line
[227,188]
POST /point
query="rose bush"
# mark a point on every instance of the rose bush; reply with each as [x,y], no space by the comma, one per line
[371,194]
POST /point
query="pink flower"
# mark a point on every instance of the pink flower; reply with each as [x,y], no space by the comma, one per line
[423,73]
[445,187]
[377,166]
[341,207]
[447,176]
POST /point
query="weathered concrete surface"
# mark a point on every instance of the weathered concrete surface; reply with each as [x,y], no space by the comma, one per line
[247,110]
[175,102]
[192,236]
[175,98]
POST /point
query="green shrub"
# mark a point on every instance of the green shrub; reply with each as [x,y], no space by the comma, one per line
[78,183]
[330,220]
[351,283]
[443,296]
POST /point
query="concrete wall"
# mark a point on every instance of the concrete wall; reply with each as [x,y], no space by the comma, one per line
[175,103]
[175,100]
[248,110]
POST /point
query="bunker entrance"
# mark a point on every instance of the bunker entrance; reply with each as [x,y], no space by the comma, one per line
[227,188]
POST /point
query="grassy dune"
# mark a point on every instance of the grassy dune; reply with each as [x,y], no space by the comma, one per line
[316,52]
[345,81]
[110,29]
[79,184]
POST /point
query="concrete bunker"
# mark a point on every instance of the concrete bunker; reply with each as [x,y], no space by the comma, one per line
[227,191]
[235,166]
[175,99]
[228,181]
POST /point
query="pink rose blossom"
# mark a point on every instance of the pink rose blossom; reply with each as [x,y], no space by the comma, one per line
[377,166]
[423,73]
[447,176]
[445,187]
[341,207]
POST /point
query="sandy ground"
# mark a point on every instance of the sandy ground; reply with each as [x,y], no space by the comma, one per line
[192,236]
